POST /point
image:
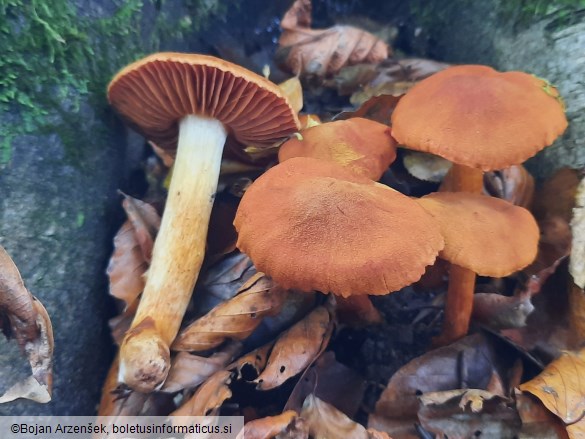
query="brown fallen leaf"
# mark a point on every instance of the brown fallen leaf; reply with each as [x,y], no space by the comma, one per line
[577,260]
[468,413]
[325,421]
[466,363]
[296,348]
[271,426]
[501,312]
[331,382]
[537,421]
[25,319]
[146,222]
[209,397]
[556,196]
[188,370]
[378,108]
[514,184]
[255,359]
[235,319]
[560,388]
[127,266]
[323,52]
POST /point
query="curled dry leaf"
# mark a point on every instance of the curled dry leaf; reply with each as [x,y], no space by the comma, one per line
[271,426]
[468,413]
[556,197]
[297,348]
[132,250]
[577,260]
[560,388]
[188,370]
[293,91]
[255,359]
[235,319]
[325,421]
[209,397]
[25,319]
[514,184]
[323,52]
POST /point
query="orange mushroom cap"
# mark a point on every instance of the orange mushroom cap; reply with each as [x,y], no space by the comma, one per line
[312,225]
[478,117]
[155,93]
[487,235]
[361,145]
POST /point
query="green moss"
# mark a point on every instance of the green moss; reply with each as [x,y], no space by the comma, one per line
[54,57]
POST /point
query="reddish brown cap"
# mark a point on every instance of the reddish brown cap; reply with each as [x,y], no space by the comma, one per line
[361,145]
[478,117]
[156,92]
[312,225]
[487,235]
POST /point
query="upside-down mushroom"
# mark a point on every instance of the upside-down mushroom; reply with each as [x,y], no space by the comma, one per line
[481,120]
[188,103]
[361,145]
[313,225]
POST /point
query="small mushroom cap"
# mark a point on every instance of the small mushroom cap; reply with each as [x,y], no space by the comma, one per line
[361,145]
[487,235]
[313,225]
[478,117]
[156,92]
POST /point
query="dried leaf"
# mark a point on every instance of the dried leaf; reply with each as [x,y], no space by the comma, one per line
[378,108]
[468,413]
[121,323]
[188,370]
[293,91]
[323,52]
[29,388]
[24,318]
[296,349]
[269,427]
[466,363]
[577,260]
[425,166]
[501,312]
[145,221]
[209,396]
[537,421]
[235,319]
[325,421]
[560,388]
[255,359]
[514,184]
[331,382]
[222,235]
[127,266]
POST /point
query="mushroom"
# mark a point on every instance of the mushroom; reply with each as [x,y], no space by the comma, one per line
[481,120]
[313,225]
[485,235]
[363,146]
[188,103]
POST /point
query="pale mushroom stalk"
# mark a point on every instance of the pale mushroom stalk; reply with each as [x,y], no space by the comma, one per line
[459,299]
[178,252]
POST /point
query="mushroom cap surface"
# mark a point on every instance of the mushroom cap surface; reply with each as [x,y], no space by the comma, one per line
[313,225]
[156,92]
[361,145]
[478,117]
[487,235]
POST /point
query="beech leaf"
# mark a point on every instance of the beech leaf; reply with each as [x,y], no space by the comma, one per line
[560,387]
[24,318]
[209,397]
[295,349]
[235,319]
[323,52]
[577,260]
[271,426]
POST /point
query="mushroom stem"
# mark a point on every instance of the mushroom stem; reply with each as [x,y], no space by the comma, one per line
[177,256]
[459,301]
